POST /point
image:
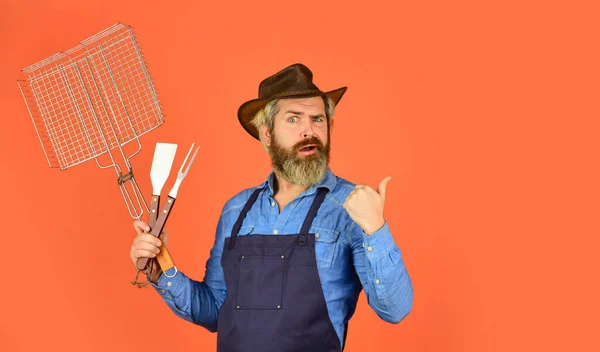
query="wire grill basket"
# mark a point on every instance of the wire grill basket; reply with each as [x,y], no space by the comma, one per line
[92,100]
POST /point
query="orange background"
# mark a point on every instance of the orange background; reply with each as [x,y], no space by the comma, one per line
[485,114]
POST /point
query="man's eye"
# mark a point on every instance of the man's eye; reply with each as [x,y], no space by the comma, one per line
[292,119]
[318,119]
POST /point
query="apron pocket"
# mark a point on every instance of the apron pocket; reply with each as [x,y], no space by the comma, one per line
[261,282]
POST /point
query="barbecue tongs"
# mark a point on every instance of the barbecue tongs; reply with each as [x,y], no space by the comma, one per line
[164,155]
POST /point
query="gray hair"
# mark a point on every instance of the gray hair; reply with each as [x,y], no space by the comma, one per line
[266,116]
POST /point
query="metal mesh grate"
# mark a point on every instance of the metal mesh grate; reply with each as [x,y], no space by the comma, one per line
[92,98]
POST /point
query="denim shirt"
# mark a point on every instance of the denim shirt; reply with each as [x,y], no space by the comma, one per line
[348,260]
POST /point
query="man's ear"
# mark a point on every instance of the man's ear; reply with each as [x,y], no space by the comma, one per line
[265,135]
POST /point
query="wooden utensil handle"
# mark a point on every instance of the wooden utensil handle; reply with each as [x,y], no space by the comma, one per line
[167,262]
[153,210]
[163,216]
[164,259]
[154,203]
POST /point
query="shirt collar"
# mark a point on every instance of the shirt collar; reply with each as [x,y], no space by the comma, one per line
[329,181]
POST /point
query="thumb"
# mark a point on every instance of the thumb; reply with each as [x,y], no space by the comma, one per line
[383,186]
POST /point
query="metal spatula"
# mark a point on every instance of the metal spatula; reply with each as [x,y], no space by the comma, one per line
[164,259]
[164,154]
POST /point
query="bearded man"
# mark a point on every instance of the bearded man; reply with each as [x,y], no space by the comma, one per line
[292,254]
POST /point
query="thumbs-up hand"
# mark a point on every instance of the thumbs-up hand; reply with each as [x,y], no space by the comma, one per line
[365,206]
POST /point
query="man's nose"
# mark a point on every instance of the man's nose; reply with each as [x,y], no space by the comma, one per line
[307,129]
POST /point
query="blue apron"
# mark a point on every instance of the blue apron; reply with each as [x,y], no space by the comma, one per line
[274,302]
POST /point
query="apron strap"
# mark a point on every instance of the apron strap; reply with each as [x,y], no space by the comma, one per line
[238,224]
[312,213]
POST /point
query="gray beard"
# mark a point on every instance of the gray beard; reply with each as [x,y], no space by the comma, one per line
[301,170]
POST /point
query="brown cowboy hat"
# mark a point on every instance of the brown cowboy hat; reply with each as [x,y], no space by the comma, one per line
[294,81]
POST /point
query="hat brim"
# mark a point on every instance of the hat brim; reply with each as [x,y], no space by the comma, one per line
[248,110]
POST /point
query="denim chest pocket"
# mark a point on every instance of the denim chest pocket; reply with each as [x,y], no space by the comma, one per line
[326,242]
[245,230]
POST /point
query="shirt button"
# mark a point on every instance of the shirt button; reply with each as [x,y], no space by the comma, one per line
[316,235]
[377,281]
[272,204]
[162,290]
[275,231]
[169,283]
[369,248]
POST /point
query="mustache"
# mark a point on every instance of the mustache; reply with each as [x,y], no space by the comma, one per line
[313,140]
